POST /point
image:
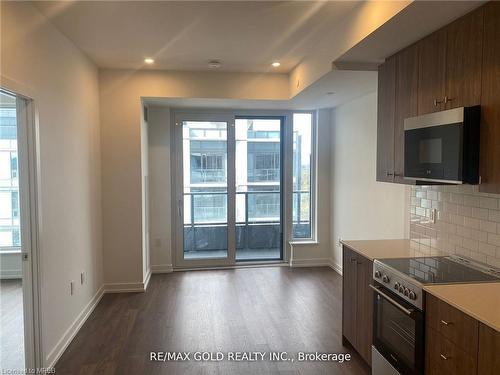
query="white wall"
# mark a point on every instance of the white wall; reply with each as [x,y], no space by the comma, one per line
[160,184]
[37,60]
[122,184]
[361,207]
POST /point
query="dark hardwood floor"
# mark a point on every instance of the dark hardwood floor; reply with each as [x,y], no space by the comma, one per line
[253,309]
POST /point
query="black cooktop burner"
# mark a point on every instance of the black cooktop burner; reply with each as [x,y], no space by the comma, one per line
[438,270]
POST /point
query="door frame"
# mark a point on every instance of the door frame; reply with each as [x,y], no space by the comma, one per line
[229,116]
[29,196]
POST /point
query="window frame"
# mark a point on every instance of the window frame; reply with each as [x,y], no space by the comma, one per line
[313,238]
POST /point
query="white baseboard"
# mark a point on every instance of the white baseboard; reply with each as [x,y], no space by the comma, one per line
[162,268]
[124,287]
[11,274]
[318,262]
[336,267]
[73,329]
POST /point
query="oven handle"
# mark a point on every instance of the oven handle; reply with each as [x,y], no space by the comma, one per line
[391,300]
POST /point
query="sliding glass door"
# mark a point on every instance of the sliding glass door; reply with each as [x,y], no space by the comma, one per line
[228,189]
[258,189]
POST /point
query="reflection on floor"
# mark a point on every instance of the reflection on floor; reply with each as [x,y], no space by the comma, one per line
[241,254]
[11,325]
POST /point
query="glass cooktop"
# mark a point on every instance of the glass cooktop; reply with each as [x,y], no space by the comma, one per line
[440,270]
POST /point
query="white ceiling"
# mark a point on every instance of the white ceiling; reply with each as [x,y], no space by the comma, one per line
[244,35]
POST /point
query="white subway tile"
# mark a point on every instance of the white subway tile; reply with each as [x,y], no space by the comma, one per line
[480,213]
[494,239]
[488,226]
[471,222]
[487,202]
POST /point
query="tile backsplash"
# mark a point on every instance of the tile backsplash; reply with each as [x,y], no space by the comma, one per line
[467,222]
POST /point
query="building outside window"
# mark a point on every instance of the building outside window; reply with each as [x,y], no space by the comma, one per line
[302,175]
[9,185]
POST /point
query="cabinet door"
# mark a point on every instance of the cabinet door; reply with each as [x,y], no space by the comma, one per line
[406,104]
[490,101]
[349,260]
[431,72]
[489,351]
[364,308]
[464,47]
[385,120]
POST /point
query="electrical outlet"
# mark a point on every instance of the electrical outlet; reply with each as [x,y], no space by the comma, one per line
[433,216]
[71,287]
[82,277]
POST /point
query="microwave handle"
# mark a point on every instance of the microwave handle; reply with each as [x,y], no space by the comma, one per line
[392,301]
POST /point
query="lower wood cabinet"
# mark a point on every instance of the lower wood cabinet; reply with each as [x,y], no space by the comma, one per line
[457,344]
[489,351]
[357,302]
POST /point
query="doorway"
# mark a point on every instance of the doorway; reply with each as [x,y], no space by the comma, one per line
[17,275]
[229,179]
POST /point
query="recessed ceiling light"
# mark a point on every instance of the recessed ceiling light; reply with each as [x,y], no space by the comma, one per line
[149,60]
[214,64]
[276,64]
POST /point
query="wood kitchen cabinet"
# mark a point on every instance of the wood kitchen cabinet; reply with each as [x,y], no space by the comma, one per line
[431,72]
[406,104]
[456,343]
[357,302]
[464,48]
[456,66]
[489,351]
[450,65]
[490,101]
[385,120]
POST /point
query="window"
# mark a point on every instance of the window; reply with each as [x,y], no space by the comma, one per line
[9,187]
[303,183]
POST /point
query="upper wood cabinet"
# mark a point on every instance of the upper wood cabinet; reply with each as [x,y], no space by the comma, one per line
[456,66]
[431,72]
[385,120]
[406,104]
[490,101]
[464,48]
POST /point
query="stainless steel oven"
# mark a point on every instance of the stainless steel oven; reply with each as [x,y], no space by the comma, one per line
[443,147]
[398,333]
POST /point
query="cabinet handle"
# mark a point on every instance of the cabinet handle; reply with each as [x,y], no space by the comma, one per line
[436,102]
[353,260]
[446,323]
[444,357]
[389,174]
[446,99]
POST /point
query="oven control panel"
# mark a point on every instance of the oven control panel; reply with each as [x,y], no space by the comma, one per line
[401,285]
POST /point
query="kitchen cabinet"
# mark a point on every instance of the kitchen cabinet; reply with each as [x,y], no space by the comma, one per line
[385,120]
[456,66]
[431,72]
[357,302]
[406,104]
[464,48]
[489,351]
[490,101]
[456,343]
[450,65]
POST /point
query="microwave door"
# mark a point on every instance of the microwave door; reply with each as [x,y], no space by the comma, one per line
[434,153]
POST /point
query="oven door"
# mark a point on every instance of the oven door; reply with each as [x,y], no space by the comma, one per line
[434,153]
[398,331]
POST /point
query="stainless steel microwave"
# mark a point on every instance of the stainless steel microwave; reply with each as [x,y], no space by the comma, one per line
[443,147]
